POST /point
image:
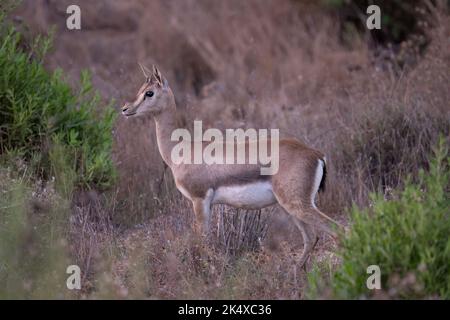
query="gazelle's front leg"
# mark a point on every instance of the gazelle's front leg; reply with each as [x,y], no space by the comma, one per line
[202,209]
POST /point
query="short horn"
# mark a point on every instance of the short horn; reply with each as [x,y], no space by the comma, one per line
[144,71]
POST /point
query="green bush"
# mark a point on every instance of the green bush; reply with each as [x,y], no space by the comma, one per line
[407,237]
[38,109]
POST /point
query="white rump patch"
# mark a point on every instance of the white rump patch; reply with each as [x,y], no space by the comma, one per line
[317,179]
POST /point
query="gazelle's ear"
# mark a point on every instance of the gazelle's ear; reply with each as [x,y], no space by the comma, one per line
[165,83]
[161,79]
[157,75]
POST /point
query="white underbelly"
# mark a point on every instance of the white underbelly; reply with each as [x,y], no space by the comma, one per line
[250,196]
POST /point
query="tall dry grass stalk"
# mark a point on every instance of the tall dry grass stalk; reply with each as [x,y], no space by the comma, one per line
[239,230]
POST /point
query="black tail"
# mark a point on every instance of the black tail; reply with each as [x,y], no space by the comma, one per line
[324,177]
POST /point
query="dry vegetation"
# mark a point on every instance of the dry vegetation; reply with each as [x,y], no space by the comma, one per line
[264,64]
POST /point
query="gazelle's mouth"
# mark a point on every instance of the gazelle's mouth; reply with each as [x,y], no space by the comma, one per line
[128,114]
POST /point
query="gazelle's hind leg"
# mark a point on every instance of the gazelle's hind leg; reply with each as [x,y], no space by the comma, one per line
[295,189]
[309,240]
[324,222]
[310,216]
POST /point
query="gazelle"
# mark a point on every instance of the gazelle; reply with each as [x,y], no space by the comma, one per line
[300,176]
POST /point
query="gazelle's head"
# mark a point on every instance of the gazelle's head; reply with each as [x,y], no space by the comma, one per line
[153,96]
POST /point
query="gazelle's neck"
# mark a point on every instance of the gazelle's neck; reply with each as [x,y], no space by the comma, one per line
[166,122]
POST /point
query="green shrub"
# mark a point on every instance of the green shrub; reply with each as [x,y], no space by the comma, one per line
[407,237]
[38,108]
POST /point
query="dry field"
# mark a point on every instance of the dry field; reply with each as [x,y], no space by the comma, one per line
[240,64]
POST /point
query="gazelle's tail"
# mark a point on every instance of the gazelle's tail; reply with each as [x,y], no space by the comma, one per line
[324,175]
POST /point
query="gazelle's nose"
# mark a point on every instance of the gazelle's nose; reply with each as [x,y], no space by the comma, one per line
[125,108]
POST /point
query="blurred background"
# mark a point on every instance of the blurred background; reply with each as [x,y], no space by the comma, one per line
[375,102]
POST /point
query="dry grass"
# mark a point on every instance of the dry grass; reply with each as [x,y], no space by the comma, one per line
[162,259]
[261,64]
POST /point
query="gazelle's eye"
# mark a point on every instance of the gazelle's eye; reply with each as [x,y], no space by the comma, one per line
[149,94]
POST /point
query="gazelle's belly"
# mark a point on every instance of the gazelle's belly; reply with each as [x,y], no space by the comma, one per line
[250,196]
